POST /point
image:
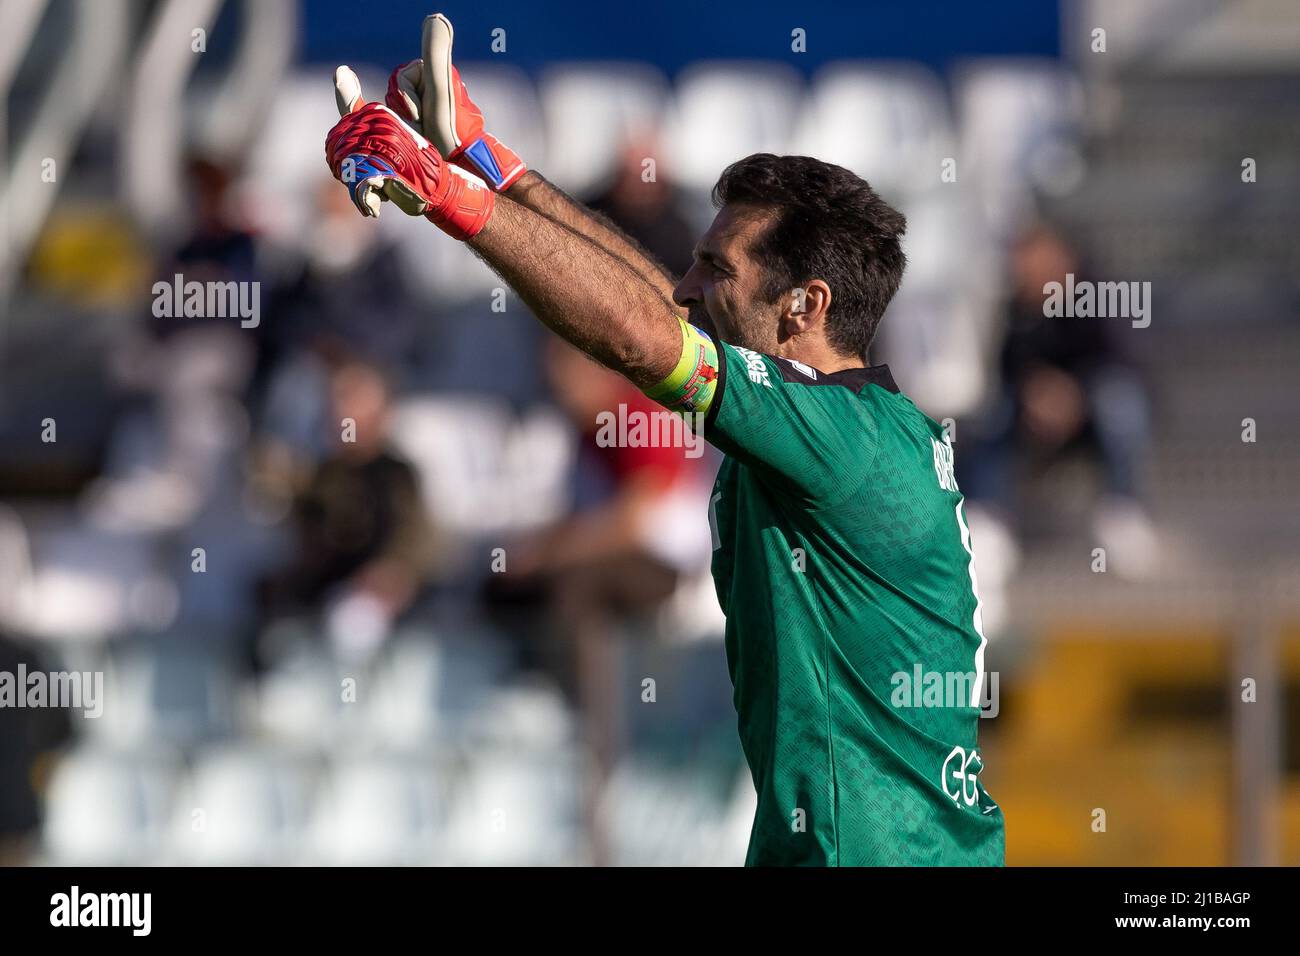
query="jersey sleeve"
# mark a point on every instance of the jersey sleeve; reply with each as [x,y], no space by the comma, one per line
[771,414]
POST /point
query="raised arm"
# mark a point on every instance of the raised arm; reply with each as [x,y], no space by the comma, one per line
[537,193]
[584,293]
[588,295]
[430,95]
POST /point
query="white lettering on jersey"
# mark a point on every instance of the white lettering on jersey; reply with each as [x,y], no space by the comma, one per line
[960,780]
[943,464]
[755,366]
[713,520]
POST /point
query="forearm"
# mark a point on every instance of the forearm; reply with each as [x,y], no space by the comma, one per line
[538,194]
[586,294]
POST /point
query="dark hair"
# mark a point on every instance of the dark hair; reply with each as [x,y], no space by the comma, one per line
[829,225]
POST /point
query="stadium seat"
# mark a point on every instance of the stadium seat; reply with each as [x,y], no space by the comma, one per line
[656,816]
[946,246]
[379,811]
[738,819]
[300,700]
[927,337]
[531,715]
[107,808]
[482,468]
[82,581]
[166,693]
[942,313]
[591,109]
[1019,122]
[725,111]
[241,805]
[888,122]
[516,808]
[428,689]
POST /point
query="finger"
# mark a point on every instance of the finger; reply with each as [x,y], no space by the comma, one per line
[436,38]
[408,84]
[347,91]
[404,198]
[369,198]
[439,93]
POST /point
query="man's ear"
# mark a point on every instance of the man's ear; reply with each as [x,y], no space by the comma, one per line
[806,307]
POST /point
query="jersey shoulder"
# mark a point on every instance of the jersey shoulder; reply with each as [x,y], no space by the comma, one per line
[877,395]
[894,416]
[855,380]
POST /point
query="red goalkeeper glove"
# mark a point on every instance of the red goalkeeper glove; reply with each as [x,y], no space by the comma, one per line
[378,157]
[431,96]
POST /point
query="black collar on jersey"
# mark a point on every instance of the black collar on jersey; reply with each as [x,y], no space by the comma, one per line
[854,379]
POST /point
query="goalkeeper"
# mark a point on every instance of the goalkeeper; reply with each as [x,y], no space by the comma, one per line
[841,557]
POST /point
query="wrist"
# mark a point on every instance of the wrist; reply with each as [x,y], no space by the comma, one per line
[521,187]
[491,160]
[464,207]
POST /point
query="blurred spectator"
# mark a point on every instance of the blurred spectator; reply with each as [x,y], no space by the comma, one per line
[1063,386]
[341,287]
[636,530]
[344,282]
[635,527]
[166,458]
[362,538]
[27,736]
[645,206]
[220,247]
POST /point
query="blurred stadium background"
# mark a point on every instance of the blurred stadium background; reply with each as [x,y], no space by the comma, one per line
[342,675]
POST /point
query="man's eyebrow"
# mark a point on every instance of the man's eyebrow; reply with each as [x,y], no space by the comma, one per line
[705,254]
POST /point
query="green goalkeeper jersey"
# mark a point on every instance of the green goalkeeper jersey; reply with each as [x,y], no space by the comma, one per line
[843,564]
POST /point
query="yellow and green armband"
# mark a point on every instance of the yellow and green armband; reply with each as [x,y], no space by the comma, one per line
[690,387]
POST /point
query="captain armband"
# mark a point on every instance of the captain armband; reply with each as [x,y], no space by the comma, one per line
[690,387]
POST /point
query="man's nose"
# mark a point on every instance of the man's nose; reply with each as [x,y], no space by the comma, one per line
[687,292]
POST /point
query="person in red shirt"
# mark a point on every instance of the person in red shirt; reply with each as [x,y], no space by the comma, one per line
[633,534]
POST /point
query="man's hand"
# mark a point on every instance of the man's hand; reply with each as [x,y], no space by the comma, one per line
[378,157]
[430,95]
[576,272]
